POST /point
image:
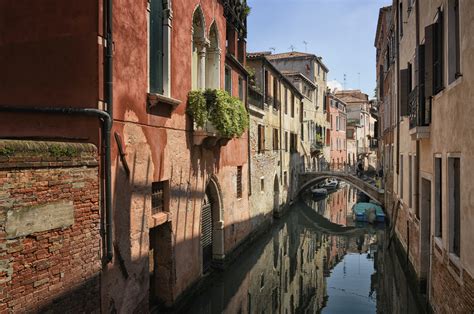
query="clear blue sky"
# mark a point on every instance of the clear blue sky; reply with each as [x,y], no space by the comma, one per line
[342,32]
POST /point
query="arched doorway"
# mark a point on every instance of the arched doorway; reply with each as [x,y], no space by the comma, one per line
[212,227]
[276,196]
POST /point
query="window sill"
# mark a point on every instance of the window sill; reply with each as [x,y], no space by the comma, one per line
[455,267]
[159,219]
[155,100]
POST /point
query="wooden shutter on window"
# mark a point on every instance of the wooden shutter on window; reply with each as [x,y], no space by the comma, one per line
[156,46]
[438,54]
[404,81]
[429,60]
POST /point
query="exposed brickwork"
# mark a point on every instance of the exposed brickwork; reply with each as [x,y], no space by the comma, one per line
[406,222]
[448,293]
[57,269]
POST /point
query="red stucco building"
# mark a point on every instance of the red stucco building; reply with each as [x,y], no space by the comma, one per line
[179,193]
[337,134]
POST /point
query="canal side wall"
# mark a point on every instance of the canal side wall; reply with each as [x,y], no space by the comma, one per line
[49,227]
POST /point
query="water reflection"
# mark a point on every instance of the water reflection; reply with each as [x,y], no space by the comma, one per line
[313,261]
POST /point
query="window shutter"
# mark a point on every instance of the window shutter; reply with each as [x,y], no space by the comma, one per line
[404,81]
[438,54]
[429,60]
[156,46]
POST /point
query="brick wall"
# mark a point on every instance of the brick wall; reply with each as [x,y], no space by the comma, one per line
[49,227]
[452,291]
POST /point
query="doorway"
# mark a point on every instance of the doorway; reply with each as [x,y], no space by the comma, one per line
[276,196]
[425,232]
[212,227]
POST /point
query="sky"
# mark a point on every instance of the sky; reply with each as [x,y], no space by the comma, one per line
[342,32]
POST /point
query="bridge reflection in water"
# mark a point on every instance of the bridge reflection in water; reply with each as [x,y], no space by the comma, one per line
[312,261]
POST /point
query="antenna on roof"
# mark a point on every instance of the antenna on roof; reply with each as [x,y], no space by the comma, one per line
[305,45]
[272,49]
[292,48]
[358,73]
[345,78]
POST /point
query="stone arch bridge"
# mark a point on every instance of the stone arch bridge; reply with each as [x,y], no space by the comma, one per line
[308,179]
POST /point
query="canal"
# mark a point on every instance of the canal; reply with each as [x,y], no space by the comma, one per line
[313,260]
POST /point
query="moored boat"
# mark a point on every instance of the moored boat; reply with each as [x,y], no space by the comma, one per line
[368,212]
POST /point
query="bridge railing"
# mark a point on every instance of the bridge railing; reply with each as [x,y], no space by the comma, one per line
[332,167]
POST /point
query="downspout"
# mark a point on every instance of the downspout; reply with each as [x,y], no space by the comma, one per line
[106,127]
[109,100]
[108,81]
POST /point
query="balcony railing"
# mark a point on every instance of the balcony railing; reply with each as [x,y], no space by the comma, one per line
[418,108]
[256,98]
[316,146]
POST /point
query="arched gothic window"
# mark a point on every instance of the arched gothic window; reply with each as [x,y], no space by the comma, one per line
[213,59]
[200,44]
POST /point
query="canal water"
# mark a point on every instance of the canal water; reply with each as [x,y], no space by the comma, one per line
[314,260]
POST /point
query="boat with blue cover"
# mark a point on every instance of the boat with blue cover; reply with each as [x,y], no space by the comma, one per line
[368,212]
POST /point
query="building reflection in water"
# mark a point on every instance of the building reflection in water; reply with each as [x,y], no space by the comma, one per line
[298,267]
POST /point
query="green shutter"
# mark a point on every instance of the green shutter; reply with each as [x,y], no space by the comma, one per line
[156,46]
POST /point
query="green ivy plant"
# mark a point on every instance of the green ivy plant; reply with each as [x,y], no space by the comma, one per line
[226,113]
[197,107]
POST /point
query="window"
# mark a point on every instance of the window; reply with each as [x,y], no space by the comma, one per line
[275,139]
[410,183]
[286,100]
[292,105]
[454,67]
[401,177]
[262,184]
[213,59]
[276,104]
[285,178]
[199,36]
[267,87]
[239,181]
[261,138]
[159,197]
[302,131]
[228,80]
[400,15]
[438,197]
[159,34]
[286,141]
[293,142]
[241,88]
[454,175]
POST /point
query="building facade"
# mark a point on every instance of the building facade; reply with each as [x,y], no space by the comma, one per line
[311,67]
[173,196]
[432,154]
[337,134]
[276,149]
[359,112]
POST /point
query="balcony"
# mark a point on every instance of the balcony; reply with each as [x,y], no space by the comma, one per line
[362,150]
[419,111]
[208,137]
[255,98]
[316,148]
[236,13]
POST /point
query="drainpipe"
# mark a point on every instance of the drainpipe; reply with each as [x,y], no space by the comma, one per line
[418,157]
[109,100]
[108,81]
[106,127]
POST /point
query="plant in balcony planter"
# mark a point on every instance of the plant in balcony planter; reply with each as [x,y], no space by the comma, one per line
[226,113]
[197,107]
